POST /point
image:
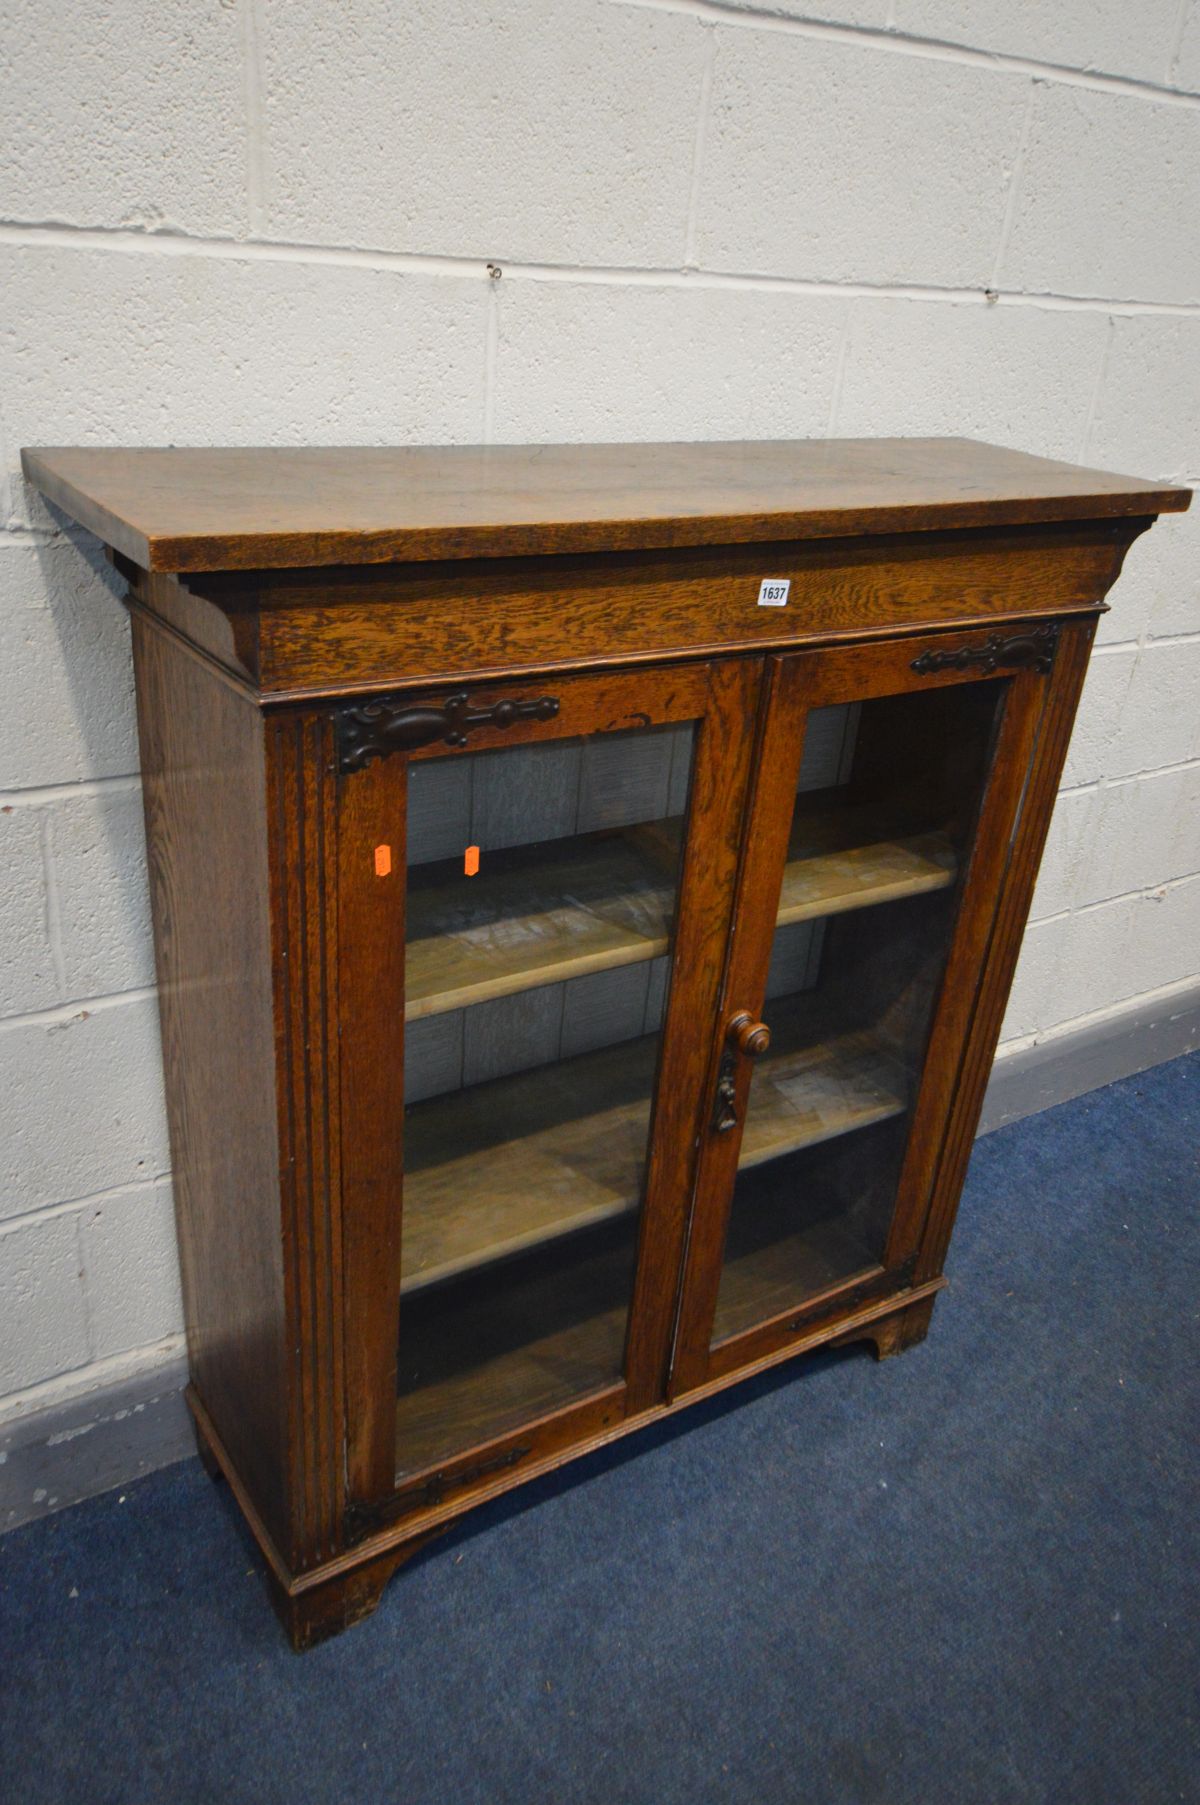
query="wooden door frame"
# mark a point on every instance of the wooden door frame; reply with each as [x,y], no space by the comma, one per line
[1024,767]
[370,809]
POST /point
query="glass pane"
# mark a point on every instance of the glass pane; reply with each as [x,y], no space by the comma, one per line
[542,884]
[884,813]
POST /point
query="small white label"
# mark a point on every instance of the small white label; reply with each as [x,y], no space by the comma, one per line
[773,592]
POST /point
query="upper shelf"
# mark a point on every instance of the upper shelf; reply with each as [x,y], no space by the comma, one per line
[241,509]
[599,902]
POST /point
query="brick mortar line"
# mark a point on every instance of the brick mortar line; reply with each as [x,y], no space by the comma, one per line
[63,1015]
[900,43]
[699,150]
[1152,642]
[1096,784]
[1110,902]
[1014,188]
[1045,1036]
[78,1382]
[67,1206]
[47,794]
[125,241]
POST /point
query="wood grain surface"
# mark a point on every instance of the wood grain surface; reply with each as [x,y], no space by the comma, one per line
[242,509]
[204,788]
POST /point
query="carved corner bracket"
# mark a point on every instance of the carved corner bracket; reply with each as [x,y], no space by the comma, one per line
[375,729]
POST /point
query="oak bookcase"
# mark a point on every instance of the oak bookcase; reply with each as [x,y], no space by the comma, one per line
[586,882]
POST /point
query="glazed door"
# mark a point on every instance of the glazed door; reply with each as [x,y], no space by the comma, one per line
[888,785]
[544,879]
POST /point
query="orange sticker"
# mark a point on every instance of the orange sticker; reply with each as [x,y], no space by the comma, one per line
[383,861]
[471,861]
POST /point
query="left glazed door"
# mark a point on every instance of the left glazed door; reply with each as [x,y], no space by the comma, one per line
[535,883]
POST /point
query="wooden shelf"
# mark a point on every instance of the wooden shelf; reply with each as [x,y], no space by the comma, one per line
[553,1335]
[497,1356]
[524,1160]
[802,1095]
[842,859]
[521,1160]
[519,1385]
[787,1243]
[540,917]
[535,918]
[784,1275]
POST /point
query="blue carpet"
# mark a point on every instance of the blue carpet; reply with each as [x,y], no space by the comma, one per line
[971,1573]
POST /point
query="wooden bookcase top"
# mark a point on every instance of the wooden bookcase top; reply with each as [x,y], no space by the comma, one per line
[257,509]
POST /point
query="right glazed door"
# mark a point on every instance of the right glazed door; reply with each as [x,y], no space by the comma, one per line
[888,787]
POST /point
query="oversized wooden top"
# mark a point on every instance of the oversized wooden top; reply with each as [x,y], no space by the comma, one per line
[192,510]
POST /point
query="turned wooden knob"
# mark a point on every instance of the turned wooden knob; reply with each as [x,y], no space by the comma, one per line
[748,1036]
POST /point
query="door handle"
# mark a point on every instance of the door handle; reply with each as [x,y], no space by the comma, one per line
[747,1037]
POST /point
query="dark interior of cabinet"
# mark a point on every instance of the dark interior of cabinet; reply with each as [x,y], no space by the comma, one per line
[819,1215]
[517,1271]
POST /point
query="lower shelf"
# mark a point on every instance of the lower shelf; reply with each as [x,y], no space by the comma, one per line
[790,1239]
[477,1358]
[544,1171]
[524,1160]
[491,1358]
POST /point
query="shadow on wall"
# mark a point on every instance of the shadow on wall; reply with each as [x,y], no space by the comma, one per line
[106,849]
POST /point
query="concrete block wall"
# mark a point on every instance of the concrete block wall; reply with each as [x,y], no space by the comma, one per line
[252,222]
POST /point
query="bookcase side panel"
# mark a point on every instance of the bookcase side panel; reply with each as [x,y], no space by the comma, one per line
[204,784]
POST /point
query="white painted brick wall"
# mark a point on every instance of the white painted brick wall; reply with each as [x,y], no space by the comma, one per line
[1141,943]
[130,1269]
[28,979]
[1108,183]
[43,1325]
[1159,596]
[1185,70]
[830,161]
[560,132]
[1162,582]
[65,671]
[96,857]
[1019,375]
[156,349]
[1116,37]
[1151,355]
[124,115]
[662,363]
[271,224]
[83,1103]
